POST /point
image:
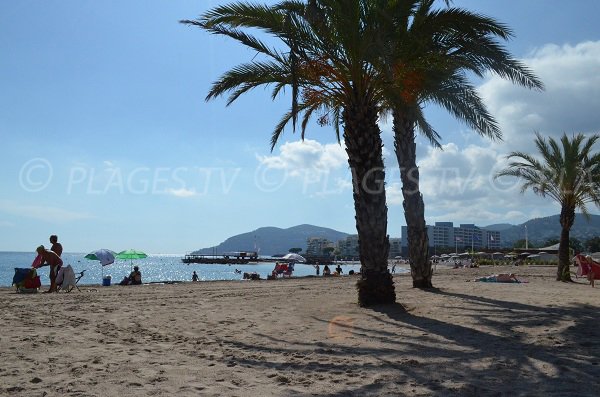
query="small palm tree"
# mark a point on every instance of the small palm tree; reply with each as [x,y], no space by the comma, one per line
[326,45]
[567,172]
[425,55]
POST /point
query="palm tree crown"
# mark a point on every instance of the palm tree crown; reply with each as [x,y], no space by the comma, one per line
[567,171]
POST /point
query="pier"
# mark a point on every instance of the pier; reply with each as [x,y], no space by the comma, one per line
[229,258]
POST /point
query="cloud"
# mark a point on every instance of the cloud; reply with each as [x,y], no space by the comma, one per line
[458,182]
[43,213]
[300,157]
[320,169]
[183,192]
[569,103]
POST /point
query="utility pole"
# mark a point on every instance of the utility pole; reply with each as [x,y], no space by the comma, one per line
[526,239]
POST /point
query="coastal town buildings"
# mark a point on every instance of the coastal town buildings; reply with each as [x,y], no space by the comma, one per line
[445,237]
[317,246]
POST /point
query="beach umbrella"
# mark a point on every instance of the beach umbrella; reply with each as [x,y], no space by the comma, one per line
[294,257]
[131,255]
[103,255]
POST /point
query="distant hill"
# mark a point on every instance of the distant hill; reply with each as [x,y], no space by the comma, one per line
[539,230]
[498,227]
[273,240]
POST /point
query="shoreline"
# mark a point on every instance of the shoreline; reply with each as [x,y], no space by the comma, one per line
[306,336]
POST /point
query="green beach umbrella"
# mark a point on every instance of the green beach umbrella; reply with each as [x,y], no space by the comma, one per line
[131,254]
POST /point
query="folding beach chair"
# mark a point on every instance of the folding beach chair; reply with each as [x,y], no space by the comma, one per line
[66,279]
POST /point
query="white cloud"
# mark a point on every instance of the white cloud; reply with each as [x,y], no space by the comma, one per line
[183,192]
[458,182]
[569,103]
[318,169]
[43,213]
[300,157]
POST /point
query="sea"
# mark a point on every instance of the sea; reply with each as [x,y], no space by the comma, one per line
[154,268]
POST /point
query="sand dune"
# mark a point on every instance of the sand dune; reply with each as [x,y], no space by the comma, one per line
[305,337]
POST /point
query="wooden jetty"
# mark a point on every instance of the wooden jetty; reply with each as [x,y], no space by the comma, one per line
[238,258]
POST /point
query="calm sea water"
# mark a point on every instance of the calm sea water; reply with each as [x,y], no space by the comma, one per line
[154,268]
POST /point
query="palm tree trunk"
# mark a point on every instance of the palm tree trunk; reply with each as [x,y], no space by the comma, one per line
[364,148]
[414,207]
[567,218]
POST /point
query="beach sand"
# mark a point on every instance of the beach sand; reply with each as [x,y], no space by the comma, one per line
[306,337]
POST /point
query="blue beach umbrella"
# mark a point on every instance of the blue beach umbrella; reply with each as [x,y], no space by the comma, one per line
[103,255]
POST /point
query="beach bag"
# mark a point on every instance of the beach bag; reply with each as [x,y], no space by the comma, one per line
[26,280]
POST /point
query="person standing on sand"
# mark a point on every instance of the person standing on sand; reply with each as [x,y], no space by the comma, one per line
[52,259]
[194,276]
[56,246]
[318,268]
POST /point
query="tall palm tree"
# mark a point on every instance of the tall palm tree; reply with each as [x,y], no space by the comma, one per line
[324,61]
[567,172]
[425,56]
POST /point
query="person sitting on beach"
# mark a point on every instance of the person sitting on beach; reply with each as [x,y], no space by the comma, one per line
[499,278]
[135,277]
[55,263]
[326,271]
[194,276]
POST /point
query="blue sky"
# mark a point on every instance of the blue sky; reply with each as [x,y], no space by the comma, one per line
[108,143]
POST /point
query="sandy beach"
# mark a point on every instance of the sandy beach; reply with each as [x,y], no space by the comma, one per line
[306,337]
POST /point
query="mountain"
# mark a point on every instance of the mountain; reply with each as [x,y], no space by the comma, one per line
[273,240]
[539,230]
[498,227]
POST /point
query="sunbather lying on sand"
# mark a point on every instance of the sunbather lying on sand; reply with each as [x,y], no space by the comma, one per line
[499,278]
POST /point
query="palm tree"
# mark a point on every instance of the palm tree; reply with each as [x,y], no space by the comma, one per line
[425,55]
[327,44]
[569,173]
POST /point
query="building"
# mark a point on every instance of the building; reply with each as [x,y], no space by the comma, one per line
[395,247]
[444,236]
[317,246]
[348,247]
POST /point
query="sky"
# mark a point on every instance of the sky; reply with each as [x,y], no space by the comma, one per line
[107,141]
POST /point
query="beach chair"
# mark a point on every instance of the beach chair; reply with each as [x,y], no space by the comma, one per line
[67,279]
[587,265]
[26,280]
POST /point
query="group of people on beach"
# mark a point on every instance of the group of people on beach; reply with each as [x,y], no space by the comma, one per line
[327,270]
[50,257]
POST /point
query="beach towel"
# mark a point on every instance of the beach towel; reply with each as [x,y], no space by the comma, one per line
[492,279]
[587,265]
[37,262]
[66,278]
